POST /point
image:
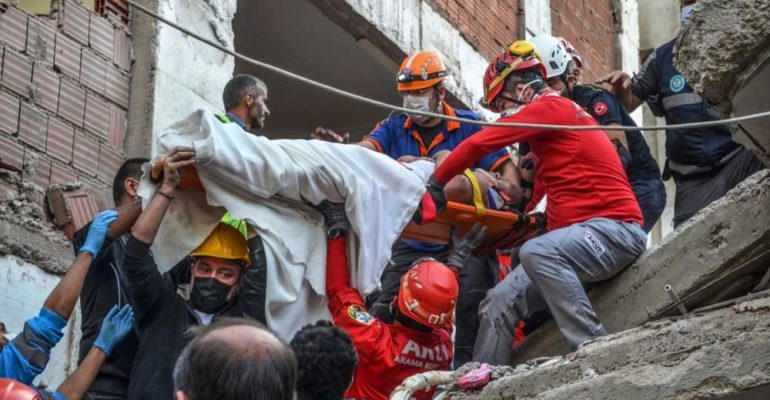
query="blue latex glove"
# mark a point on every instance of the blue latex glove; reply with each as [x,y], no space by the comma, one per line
[116,325]
[97,232]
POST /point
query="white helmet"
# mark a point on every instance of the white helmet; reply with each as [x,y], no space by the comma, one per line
[555,55]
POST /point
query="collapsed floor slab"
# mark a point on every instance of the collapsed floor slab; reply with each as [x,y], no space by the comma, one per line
[724,243]
[706,355]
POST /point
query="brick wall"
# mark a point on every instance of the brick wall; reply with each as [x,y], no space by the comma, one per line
[63,99]
[490,25]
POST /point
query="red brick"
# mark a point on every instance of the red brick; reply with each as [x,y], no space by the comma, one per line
[122,49]
[33,125]
[101,36]
[93,71]
[109,162]
[11,154]
[117,127]
[17,73]
[117,87]
[67,57]
[85,156]
[9,113]
[13,28]
[98,194]
[76,20]
[72,102]
[41,40]
[45,85]
[60,140]
[62,174]
[97,120]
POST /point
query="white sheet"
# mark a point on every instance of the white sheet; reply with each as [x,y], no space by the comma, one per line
[268,182]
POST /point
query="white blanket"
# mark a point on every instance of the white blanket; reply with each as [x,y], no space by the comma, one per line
[268,183]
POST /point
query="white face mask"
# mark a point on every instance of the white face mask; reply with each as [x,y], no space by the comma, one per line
[686,14]
[419,103]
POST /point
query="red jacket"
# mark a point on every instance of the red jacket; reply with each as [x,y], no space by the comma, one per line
[387,354]
[580,171]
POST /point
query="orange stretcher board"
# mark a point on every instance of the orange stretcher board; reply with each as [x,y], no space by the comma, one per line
[505,229]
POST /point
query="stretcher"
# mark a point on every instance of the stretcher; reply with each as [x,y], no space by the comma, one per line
[505,229]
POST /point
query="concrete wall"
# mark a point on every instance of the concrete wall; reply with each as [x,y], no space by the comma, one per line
[25,287]
[175,74]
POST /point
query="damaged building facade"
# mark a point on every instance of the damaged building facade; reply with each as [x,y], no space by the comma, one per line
[85,85]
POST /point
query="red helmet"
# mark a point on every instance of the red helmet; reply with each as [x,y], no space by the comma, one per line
[15,390]
[428,293]
[519,56]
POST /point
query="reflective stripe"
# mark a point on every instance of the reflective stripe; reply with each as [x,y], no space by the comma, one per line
[681,99]
[35,356]
[685,169]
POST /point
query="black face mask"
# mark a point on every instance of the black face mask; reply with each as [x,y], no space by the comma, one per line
[209,295]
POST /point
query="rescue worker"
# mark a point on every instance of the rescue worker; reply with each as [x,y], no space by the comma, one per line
[245,100]
[704,162]
[641,168]
[326,359]
[420,338]
[405,138]
[594,221]
[162,315]
[26,356]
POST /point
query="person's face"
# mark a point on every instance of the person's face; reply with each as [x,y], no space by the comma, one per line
[434,95]
[558,84]
[225,271]
[256,101]
[507,100]
[131,189]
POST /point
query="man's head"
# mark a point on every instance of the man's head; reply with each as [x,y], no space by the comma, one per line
[560,65]
[513,78]
[427,295]
[245,96]
[420,83]
[217,269]
[326,360]
[233,359]
[126,182]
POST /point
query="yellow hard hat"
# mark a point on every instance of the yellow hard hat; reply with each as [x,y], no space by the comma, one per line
[224,242]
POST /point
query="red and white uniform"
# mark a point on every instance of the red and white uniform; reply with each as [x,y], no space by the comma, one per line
[387,354]
[580,171]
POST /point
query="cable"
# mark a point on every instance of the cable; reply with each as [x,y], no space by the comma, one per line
[380,104]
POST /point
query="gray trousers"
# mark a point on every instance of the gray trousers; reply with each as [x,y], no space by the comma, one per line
[550,277]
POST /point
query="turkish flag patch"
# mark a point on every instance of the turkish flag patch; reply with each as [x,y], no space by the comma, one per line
[600,108]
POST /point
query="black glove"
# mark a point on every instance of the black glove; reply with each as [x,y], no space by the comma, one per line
[461,248]
[335,218]
[436,190]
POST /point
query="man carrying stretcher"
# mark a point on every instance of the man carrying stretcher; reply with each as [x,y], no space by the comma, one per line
[594,221]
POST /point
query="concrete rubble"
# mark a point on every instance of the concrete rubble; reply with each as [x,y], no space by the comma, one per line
[723,249]
[706,355]
[724,52]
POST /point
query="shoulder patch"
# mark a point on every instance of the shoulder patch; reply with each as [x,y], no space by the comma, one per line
[600,108]
[358,314]
[676,84]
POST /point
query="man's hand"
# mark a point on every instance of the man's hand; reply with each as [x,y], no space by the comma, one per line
[176,159]
[116,325]
[329,135]
[461,247]
[98,231]
[617,82]
[335,218]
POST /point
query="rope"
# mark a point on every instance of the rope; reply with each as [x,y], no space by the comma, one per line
[380,104]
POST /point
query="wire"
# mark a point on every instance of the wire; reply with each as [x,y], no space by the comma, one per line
[377,103]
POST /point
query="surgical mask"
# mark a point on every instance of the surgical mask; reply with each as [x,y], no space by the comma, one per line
[419,103]
[209,295]
[686,14]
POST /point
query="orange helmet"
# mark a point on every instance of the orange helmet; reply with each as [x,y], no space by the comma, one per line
[519,56]
[428,293]
[420,70]
[14,390]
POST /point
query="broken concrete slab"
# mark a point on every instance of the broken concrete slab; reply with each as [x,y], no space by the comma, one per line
[712,354]
[50,251]
[727,240]
[724,52]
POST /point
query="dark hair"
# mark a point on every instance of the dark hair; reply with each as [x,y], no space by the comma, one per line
[237,87]
[131,168]
[525,76]
[326,359]
[213,367]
